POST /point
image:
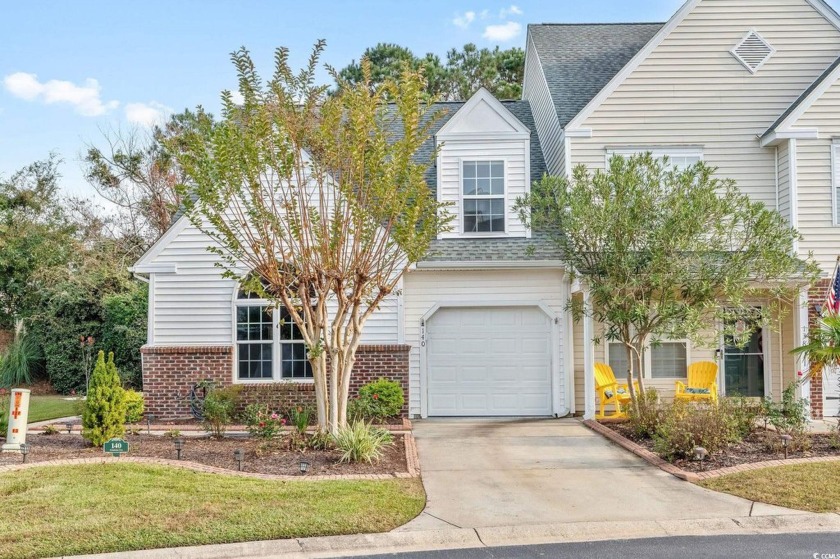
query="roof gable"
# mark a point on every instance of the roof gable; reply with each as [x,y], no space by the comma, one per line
[483,114]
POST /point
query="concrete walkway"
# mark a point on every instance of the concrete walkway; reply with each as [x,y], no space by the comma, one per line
[484,473]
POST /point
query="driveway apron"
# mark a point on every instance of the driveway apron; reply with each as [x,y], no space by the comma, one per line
[489,472]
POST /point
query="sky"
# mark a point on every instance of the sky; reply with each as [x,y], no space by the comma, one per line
[73,70]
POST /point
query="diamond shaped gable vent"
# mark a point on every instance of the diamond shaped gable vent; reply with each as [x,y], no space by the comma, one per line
[753,51]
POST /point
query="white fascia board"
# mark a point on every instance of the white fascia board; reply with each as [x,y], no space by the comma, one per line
[488,264]
[577,132]
[790,120]
[483,95]
[777,136]
[826,11]
[484,136]
[154,269]
[634,63]
[170,234]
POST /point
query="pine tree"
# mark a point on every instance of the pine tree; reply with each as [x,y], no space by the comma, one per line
[104,415]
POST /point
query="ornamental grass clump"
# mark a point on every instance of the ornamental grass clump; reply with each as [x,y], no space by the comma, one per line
[104,412]
[361,442]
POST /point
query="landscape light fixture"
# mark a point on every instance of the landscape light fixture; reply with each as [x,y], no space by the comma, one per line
[24,450]
[179,446]
[700,454]
[149,418]
[69,427]
[239,456]
[304,466]
[785,440]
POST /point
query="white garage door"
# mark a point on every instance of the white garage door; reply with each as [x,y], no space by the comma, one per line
[485,361]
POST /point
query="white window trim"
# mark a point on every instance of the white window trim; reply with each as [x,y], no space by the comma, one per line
[276,346]
[649,359]
[835,199]
[658,152]
[504,198]
[767,350]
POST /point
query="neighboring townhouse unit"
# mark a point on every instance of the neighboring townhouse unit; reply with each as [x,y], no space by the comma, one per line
[479,327]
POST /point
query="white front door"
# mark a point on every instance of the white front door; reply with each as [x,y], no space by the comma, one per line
[489,361]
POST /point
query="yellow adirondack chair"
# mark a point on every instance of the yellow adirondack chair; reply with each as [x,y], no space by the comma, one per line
[701,383]
[610,391]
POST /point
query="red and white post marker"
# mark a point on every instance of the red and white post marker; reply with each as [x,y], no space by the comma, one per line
[18,416]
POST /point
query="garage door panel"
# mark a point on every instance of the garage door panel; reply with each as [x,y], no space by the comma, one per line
[489,361]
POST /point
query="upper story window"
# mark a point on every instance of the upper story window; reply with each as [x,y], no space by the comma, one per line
[678,157]
[483,193]
[269,345]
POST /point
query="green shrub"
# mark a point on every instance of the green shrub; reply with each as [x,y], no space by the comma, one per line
[686,425]
[104,414]
[743,413]
[262,422]
[646,417]
[134,406]
[50,430]
[21,359]
[359,409]
[218,408]
[384,397]
[124,330]
[790,416]
[361,442]
[301,416]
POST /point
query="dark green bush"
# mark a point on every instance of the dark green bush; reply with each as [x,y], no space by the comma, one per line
[124,330]
[382,397]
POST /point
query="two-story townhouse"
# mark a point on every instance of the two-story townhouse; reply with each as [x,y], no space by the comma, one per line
[478,327]
[745,85]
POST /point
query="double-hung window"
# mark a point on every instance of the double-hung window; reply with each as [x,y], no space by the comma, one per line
[483,196]
[665,359]
[835,180]
[269,346]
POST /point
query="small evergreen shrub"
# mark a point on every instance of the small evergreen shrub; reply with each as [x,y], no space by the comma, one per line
[262,422]
[361,442]
[104,413]
[384,398]
[218,408]
[134,406]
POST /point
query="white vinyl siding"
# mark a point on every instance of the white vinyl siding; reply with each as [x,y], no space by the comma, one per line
[193,306]
[817,180]
[426,288]
[535,90]
[692,89]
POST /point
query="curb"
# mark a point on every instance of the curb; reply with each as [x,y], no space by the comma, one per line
[411,458]
[460,538]
[695,477]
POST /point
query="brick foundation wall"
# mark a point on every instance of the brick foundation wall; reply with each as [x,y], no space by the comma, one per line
[170,372]
[816,296]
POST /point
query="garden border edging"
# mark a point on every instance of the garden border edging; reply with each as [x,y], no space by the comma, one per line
[695,477]
[412,470]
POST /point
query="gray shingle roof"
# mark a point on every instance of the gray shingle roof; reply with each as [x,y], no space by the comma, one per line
[801,98]
[538,247]
[578,60]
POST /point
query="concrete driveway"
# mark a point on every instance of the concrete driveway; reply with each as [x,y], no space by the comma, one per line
[481,473]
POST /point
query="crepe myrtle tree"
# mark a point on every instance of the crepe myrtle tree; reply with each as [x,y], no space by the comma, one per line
[316,202]
[667,253]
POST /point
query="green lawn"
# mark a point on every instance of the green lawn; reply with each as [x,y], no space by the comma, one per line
[42,408]
[812,487]
[68,510]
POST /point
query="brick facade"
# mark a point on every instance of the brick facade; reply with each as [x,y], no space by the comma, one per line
[816,296]
[170,372]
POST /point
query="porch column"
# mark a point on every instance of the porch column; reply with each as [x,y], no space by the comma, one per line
[588,359]
[800,338]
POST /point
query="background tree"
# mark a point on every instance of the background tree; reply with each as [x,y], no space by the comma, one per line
[666,253]
[35,233]
[136,172]
[466,70]
[316,202]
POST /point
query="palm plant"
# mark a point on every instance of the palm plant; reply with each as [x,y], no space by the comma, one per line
[823,347]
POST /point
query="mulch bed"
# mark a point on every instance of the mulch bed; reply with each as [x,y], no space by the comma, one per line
[274,458]
[749,451]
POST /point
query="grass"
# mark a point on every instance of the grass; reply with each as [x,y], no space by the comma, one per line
[812,487]
[68,510]
[43,408]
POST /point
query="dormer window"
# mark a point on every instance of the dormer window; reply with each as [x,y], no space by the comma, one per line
[483,188]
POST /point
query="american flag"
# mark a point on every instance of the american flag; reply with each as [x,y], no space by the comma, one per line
[832,300]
